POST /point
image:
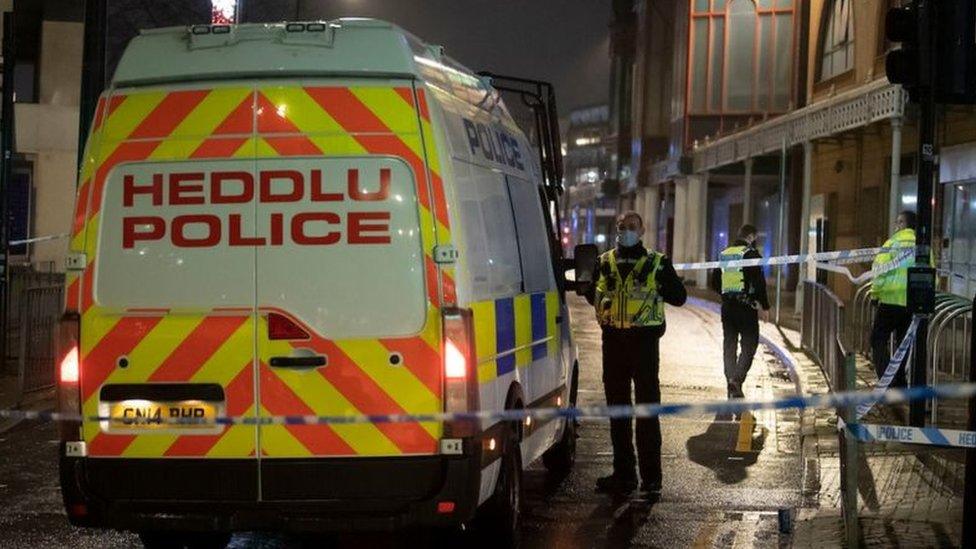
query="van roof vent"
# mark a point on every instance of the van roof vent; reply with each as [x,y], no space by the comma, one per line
[350,46]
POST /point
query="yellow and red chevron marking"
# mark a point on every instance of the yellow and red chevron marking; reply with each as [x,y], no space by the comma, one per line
[314,121]
[296,121]
[155,124]
[176,348]
[357,380]
[437,189]
[219,123]
[187,348]
[278,398]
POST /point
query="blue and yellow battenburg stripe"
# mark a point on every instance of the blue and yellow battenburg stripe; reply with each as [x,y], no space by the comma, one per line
[514,332]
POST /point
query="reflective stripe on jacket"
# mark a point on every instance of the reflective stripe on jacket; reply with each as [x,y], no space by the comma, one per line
[631,302]
[892,287]
[733,279]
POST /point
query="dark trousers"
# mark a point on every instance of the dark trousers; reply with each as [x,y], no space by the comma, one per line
[631,357]
[740,325]
[889,319]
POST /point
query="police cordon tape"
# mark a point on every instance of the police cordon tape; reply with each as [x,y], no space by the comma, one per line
[930,436]
[827,400]
[865,254]
[894,365]
[831,261]
[38,239]
[903,258]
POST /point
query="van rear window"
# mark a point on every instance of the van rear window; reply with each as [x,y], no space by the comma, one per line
[333,241]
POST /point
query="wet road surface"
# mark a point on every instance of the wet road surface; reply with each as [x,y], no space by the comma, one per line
[724,480]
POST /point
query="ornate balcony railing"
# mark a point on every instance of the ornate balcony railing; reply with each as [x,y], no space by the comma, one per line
[862,106]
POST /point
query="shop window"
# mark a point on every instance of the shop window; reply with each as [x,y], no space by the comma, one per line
[836,39]
[741,56]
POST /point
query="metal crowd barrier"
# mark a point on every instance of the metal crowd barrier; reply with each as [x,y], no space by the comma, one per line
[861,321]
[40,309]
[821,329]
[21,278]
[951,358]
[949,334]
[949,353]
[848,444]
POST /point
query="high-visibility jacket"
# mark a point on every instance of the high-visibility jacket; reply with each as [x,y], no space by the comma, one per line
[629,302]
[892,286]
[733,279]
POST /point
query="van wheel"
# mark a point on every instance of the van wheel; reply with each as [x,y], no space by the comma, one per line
[560,458]
[500,519]
[184,540]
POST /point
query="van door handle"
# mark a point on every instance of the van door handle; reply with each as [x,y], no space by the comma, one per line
[314,361]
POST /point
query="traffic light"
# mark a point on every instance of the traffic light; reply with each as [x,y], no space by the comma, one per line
[902,64]
[942,32]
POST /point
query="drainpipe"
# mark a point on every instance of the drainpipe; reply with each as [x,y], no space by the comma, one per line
[704,231]
[652,204]
[805,221]
[895,195]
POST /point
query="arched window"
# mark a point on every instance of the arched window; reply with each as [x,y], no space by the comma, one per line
[741,56]
[836,39]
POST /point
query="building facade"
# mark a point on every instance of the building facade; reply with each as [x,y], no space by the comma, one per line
[780,114]
[47,68]
[589,153]
[705,69]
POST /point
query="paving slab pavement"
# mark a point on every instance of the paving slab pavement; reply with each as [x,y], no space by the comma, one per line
[908,495]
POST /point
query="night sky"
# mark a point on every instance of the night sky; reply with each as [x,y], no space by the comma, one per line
[565,42]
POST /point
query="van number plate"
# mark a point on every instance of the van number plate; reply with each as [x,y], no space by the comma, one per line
[146,415]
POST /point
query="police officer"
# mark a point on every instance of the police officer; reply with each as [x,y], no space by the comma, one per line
[632,286]
[891,292]
[743,294]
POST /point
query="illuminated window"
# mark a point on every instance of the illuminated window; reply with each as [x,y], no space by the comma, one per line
[741,56]
[584,141]
[836,39]
[587,175]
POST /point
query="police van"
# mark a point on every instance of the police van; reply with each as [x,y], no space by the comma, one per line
[278,222]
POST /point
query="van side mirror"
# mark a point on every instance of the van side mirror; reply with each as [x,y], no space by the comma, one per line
[584,264]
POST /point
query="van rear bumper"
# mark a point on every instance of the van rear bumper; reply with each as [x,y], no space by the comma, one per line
[331,494]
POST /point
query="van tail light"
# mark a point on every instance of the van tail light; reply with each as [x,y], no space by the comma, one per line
[69,366]
[69,374]
[282,327]
[460,371]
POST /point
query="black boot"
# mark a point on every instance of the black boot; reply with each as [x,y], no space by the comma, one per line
[616,484]
[651,486]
